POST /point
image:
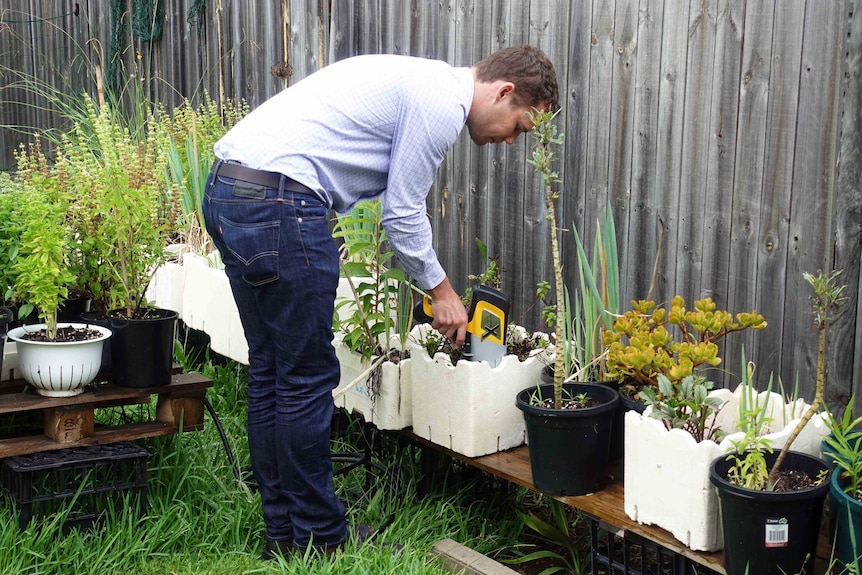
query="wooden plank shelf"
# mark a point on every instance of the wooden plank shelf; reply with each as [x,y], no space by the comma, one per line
[606,505]
[70,421]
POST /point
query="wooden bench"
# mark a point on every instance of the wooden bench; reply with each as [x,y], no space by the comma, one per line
[70,421]
[605,506]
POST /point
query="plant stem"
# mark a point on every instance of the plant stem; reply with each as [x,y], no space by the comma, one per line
[559,360]
[826,296]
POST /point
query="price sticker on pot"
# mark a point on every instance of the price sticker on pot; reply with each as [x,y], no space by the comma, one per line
[777,532]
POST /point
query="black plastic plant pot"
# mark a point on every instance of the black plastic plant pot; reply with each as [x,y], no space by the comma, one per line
[569,448]
[73,309]
[107,357]
[845,516]
[142,350]
[768,532]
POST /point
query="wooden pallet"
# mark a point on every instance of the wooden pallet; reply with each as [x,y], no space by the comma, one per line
[70,421]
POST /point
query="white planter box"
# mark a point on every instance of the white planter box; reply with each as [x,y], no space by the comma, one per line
[208,306]
[166,289]
[390,406]
[667,473]
[470,408]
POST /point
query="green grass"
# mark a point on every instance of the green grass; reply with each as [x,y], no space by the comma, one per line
[201,520]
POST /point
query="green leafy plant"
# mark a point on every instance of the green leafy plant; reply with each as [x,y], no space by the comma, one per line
[845,442]
[827,296]
[594,308]
[118,216]
[559,534]
[751,412]
[186,137]
[489,277]
[598,302]
[40,274]
[749,468]
[685,405]
[10,235]
[377,305]
[647,340]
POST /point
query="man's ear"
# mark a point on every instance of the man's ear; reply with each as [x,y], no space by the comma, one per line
[505,89]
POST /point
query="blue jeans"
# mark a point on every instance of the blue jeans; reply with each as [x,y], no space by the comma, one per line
[283,268]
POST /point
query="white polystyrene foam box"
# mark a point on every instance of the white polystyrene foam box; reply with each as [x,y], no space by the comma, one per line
[390,406]
[470,408]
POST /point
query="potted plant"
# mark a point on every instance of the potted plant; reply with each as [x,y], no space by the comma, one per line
[372,322]
[569,441]
[121,233]
[843,449]
[58,360]
[771,503]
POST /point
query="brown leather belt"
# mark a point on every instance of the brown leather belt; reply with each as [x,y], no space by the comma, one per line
[259,177]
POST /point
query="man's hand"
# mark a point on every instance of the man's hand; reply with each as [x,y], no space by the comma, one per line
[450,317]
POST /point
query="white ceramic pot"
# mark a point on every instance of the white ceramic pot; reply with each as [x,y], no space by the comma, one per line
[59,369]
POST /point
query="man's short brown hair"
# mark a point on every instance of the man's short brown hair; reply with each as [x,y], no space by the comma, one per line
[529,69]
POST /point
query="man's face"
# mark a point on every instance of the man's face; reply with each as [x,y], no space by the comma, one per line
[499,120]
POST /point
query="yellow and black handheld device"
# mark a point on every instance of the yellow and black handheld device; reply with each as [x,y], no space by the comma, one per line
[486,326]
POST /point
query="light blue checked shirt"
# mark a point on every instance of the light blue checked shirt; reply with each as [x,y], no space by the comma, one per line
[360,128]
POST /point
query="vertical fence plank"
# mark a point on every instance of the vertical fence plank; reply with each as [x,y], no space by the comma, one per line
[602,35]
[749,167]
[483,202]
[722,150]
[500,232]
[671,106]
[691,195]
[644,232]
[771,247]
[845,350]
[718,200]
[811,229]
[621,128]
[515,19]
[575,99]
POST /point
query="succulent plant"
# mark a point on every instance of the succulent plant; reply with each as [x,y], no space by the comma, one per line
[647,341]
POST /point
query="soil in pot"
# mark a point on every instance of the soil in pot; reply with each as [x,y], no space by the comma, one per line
[64,334]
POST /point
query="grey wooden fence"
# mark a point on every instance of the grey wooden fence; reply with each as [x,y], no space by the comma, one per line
[723,134]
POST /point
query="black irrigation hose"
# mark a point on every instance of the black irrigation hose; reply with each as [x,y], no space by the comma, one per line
[228,451]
